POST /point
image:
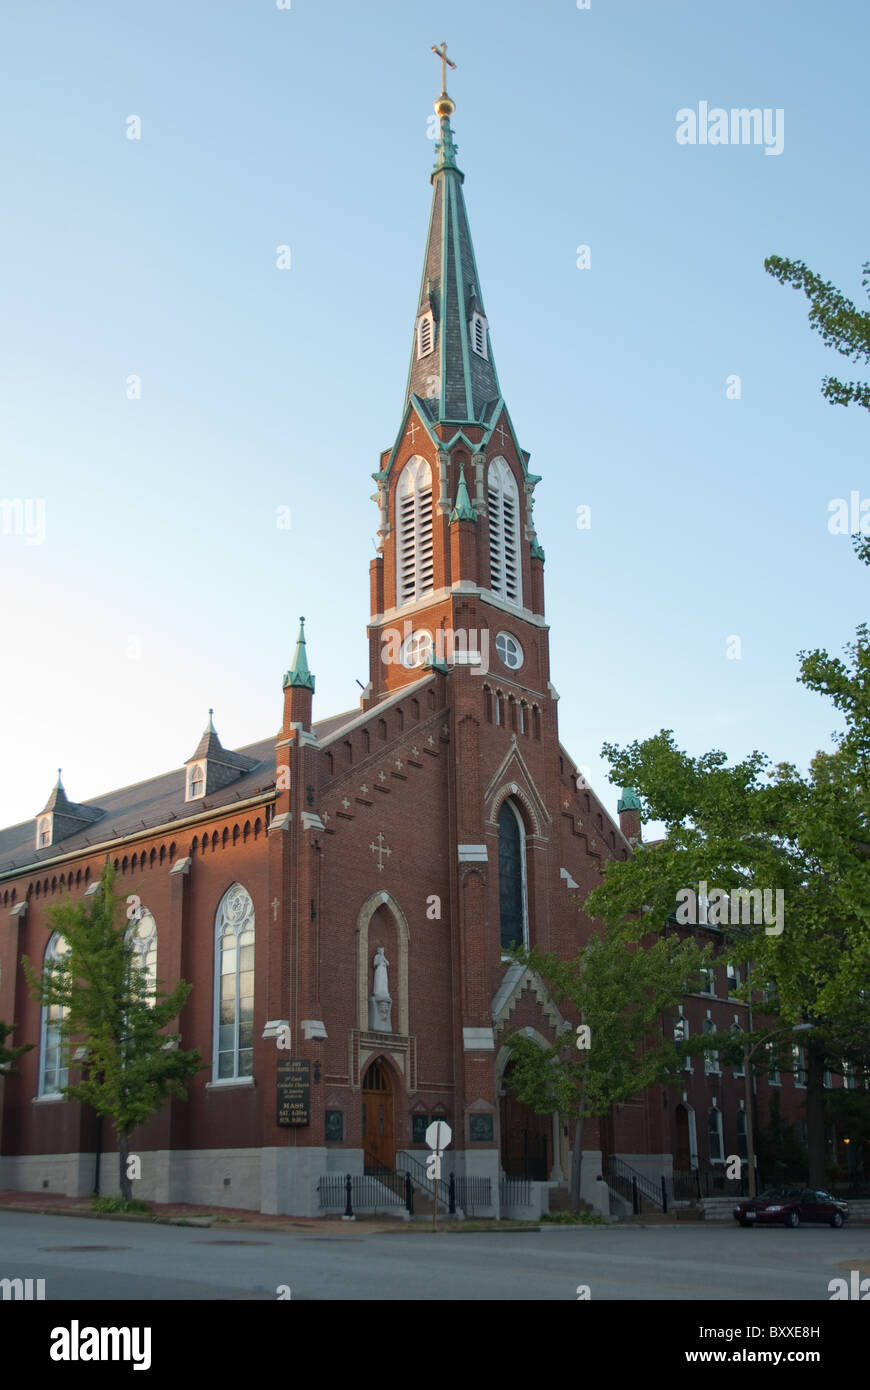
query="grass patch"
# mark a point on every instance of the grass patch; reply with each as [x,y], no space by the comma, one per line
[112,1205]
[570,1218]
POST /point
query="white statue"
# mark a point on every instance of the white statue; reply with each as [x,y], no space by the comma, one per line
[382,988]
[380,1003]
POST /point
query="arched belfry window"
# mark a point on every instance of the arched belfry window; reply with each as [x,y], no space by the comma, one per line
[234,985]
[512,877]
[414,532]
[504,532]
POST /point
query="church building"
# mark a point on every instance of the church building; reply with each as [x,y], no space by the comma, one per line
[343,895]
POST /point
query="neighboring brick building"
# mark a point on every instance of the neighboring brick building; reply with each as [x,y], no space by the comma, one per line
[356,878]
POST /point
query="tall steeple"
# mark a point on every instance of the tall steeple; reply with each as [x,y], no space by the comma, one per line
[452,370]
[457,546]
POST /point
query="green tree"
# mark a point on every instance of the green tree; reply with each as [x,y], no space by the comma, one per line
[836,318]
[754,826]
[131,1064]
[620,992]
[9,1055]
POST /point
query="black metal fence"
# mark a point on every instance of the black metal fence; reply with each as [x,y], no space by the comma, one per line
[515,1192]
[365,1191]
[693,1186]
[381,1189]
[470,1194]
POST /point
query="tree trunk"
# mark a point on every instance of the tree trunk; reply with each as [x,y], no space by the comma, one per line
[123,1153]
[577,1152]
[816,1116]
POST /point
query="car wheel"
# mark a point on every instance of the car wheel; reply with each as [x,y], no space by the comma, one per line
[747,1223]
[837,1220]
[793,1220]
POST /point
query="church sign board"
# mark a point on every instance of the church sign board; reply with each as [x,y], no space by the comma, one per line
[294,1091]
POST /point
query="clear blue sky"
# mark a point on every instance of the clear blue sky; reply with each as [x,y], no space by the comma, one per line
[163,584]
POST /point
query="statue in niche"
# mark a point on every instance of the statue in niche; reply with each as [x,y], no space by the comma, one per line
[380,1002]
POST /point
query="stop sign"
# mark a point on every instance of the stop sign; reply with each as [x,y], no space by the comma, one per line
[438,1135]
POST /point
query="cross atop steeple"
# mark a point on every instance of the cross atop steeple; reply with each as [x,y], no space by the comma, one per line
[445,64]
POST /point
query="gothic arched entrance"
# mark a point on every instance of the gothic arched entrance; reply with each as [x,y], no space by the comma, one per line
[378,1117]
[525,1137]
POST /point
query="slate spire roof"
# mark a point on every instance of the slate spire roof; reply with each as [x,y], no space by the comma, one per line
[299,673]
[453,381]
[211,749]
[60,804]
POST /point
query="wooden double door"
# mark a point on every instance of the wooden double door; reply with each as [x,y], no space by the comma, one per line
[378,1117]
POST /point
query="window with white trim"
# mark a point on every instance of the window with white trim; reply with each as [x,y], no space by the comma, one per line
[234,986]
[733,977]
[739,1067]
[478,334]
[848,1076]
[414,532]
[53,1071]
[142,935]
[799,1060]
[681,1035]
[43,832]
[714,1135]
[195,781]
[504,532]
[425,334]
[711,1058]
[773,1076]
[708,980]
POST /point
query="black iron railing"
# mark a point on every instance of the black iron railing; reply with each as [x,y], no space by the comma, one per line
[515,1192]
[636,1187]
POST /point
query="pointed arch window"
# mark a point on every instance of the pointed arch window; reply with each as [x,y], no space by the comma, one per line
[414,532]
[43,836]
[53,1071]
[513,908]
[234,986]
[195,781]
[504,532]
[142,934]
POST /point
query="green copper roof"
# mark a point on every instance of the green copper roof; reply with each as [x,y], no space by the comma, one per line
[455,382]
[463,511]
[299,673]
[629,801]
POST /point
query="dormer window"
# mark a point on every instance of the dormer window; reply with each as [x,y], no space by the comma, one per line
[478,334]
[43,832]
[425,334]
[195,781]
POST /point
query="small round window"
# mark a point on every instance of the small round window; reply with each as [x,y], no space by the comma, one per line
[416,649]
[509,650]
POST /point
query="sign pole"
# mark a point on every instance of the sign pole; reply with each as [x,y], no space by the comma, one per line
[435,1166]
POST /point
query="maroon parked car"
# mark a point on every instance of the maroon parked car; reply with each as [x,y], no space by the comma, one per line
[791,1206]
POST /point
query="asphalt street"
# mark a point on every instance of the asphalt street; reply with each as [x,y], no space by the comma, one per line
[82,1258]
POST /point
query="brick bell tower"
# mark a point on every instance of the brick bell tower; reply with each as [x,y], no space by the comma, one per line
[456,536]
[458,586]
